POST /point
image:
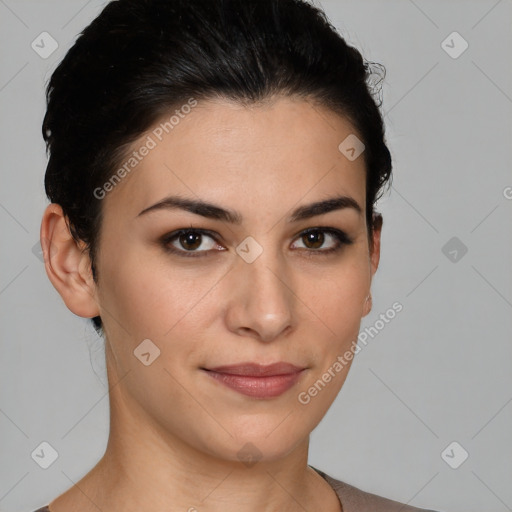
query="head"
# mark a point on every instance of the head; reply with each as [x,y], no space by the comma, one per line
[242,114]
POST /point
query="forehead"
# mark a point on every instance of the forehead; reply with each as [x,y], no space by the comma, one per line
[275,152]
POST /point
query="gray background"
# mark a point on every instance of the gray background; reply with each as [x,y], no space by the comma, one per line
[439,372]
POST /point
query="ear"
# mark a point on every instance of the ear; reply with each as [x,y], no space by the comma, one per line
[67,264]
[374,248]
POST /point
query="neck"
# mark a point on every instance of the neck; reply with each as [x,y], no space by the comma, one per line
[149,469]
[146,470]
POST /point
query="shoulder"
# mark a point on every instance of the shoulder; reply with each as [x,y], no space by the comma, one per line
[357,500]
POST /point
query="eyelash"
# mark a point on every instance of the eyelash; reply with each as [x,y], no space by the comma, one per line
[341,237]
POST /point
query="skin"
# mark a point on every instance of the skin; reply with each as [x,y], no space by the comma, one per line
[174,431]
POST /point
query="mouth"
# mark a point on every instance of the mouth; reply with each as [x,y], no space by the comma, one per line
[255,380]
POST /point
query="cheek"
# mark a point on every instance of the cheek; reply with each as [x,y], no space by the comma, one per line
[337,296]
[338,307]
[147,297]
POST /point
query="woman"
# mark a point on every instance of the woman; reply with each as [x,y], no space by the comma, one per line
[214,167]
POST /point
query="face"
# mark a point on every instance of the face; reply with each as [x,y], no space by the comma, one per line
[269,272]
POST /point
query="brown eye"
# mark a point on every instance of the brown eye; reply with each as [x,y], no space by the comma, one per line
[322,240]
[314,239]
[190,241]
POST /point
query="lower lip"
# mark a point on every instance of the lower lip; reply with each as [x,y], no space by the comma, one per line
[257,387]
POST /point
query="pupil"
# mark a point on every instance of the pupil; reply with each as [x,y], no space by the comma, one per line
[190,240]
[316,239]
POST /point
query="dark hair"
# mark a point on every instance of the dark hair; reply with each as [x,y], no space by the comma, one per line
[140,58]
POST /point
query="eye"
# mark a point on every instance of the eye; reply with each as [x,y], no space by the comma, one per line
[316,238]
[199,242]
[190,242]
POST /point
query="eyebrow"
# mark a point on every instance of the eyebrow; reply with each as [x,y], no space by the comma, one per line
[212,211]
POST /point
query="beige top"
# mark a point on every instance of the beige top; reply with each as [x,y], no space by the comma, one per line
[352,499]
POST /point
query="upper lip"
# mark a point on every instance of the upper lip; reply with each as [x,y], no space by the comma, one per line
[257,370]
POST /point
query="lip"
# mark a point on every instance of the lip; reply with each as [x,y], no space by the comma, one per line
[257,370]
[256,380]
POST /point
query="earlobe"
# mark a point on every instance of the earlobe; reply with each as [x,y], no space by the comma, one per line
[367,306]
[67,264]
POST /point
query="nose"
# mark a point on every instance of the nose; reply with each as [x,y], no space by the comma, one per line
[261,300]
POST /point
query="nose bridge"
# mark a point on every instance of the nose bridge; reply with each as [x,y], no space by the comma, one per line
[263,302]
